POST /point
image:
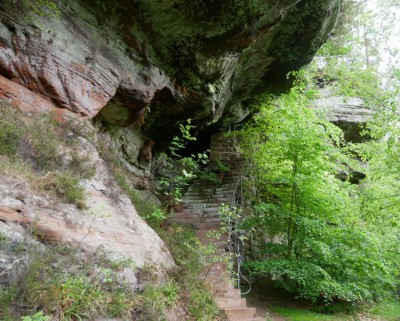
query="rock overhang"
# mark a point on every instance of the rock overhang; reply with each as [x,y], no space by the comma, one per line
[161,62]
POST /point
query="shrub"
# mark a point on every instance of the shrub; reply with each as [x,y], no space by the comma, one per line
[59,285]
[202,306]
[39,316]
[68,188]
[9,135]
[10,129]
[156,217]
[160,298]
[192,258]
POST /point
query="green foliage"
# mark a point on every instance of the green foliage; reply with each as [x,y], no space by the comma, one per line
[389,311]
[159,299]
[104,259]
[202,306]
[384,311]
[57,284]
[156,217]
[326,251]
[362,73]
[8,138]
[43,8]
[301,314]
[39,316]
[192,258]
[67,187]
[179,142]
[223,167]
[208,177]
[180,171]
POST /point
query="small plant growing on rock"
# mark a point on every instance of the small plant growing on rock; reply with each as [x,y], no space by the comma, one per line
[58,283]
[39,316]
[156,217]
[179,171]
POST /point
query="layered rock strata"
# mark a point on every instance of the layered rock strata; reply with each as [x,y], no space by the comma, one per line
[156,62]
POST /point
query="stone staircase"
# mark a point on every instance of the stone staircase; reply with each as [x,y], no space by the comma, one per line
[201,203]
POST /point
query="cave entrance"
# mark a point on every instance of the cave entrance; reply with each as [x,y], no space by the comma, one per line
[200,145]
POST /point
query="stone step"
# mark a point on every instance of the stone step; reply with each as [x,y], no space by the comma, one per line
[218,274]
[214,208]
[206,214]
[221,144]
[224,289]
[224,155]
[210,217]
[204,232]
[240,313]
[194,220]
[224,179]
[216,193]
[208,226]
[198,199]
[222,198]
[227,187]
[213,216]
[212,203]
[222,292]
[196,211]
[201,204]
[210,210]
[222,266]
[216,234]
[230,302]
[187,215]
[206,240]
[212,194]
[200,190]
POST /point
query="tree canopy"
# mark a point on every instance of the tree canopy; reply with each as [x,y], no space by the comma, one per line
[331,240]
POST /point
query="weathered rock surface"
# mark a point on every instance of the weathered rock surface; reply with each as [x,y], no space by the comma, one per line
[28,101]
[158,61]
[342,109]
[13,256]
[143,65]
[348,113]
[110,222]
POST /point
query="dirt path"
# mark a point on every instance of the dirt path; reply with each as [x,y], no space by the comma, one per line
[260,304]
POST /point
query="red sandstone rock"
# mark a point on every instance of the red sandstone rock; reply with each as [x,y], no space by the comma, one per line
[62,60]
[29,101]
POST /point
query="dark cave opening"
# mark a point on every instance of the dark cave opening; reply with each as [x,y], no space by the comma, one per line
[200,145]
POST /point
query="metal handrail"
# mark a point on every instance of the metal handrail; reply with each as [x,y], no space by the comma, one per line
[236,240]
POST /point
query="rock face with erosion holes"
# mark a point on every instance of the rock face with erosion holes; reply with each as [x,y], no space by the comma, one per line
[155,63]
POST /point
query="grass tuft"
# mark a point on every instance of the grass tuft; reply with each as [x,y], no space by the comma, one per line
[36,148]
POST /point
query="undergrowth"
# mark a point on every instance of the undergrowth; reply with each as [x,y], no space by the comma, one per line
[44,153]
[192,258]
[62,283]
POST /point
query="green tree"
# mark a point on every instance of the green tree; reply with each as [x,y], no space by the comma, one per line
[324,251]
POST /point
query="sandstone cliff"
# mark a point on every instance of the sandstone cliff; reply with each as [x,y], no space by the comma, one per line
[162,61]
[141,67]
